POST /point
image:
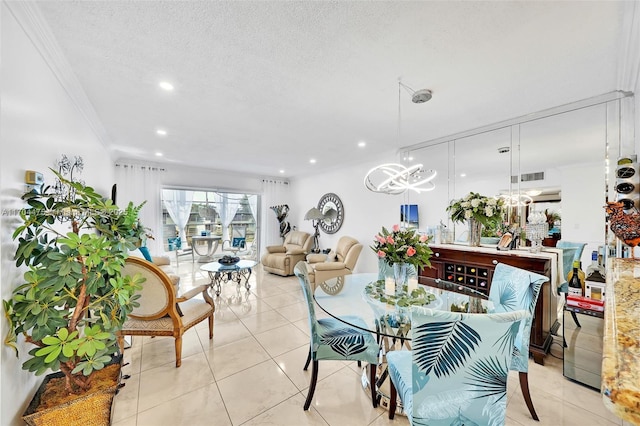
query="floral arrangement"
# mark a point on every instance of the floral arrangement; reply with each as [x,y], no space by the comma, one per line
[402,246]
[497,229]
[418,297]
[486,210]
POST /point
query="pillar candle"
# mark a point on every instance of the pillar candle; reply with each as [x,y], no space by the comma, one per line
[389,286]
[412,284]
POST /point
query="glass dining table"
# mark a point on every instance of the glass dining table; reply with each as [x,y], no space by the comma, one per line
[388,316]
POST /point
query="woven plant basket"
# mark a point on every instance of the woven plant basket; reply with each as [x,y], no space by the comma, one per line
[90,409]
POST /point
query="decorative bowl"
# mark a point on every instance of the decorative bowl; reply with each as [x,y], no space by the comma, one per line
[228,260]
[489,240]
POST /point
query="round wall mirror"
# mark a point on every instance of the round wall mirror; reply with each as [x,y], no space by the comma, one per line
[331,207]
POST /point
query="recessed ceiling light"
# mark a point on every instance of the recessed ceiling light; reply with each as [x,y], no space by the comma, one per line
[159,154]
[463,175]
[362,144]
[281,171]
[165,85]
[312,161]
[161,132]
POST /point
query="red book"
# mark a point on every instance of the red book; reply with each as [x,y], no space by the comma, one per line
[585,303]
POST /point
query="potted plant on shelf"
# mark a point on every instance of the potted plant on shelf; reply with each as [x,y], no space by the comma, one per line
[74,297]
[478,211]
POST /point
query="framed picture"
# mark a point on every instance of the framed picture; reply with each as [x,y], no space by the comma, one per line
[505,241]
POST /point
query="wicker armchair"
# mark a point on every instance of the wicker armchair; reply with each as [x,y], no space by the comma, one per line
[161,311]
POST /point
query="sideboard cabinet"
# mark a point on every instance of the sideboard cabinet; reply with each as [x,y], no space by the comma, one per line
[473,267]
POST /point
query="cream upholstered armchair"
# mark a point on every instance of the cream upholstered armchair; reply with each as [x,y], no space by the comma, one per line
[161,311]
[282,259]
[336,264]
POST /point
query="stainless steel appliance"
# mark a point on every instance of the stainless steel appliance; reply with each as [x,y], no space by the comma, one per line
[583,351]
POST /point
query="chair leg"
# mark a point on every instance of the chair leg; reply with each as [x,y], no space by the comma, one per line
[393,398]
[575,319]
[211,326]
[121,344]
[306,364]
[312,385]
[178,351]
[524,385]
[372,383]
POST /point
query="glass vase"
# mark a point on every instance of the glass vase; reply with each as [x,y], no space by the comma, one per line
[475,305]
[400,274]
[475,232]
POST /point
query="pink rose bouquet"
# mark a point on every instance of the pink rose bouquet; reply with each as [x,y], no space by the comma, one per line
[402,246]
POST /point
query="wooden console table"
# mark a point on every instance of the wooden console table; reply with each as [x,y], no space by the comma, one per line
[473,267]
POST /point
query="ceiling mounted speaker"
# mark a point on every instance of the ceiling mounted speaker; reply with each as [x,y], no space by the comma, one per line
[421,96]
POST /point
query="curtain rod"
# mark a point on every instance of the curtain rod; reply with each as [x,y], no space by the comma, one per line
[549,112]
[283,182]
[142,167]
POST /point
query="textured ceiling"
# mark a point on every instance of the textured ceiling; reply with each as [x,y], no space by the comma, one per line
[264,86]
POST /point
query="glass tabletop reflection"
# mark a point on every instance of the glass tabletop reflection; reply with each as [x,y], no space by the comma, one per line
[363,295]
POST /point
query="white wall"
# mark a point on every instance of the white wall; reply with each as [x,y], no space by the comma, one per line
[583,213]
[39,123]
[192,177]
[365,212]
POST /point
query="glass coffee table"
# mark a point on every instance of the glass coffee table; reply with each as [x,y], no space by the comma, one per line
[238,273]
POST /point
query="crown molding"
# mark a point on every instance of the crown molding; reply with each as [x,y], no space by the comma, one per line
[30,18]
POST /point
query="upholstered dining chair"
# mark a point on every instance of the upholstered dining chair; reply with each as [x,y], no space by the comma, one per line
[568,248]
[568,244]
[569,254]
[515,289]
[335,340]
[161,311]
[456,372]
[336,264]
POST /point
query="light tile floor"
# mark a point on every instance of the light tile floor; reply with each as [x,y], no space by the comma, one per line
[251,372]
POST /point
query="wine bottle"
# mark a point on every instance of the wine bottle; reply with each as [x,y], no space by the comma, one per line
[573,278]
[594,271]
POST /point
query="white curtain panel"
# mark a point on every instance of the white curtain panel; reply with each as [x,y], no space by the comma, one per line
[178,204]
[274,192]
[227,205]
[253,205]
[137,183]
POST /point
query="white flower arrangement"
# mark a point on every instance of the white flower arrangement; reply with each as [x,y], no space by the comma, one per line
[486,210]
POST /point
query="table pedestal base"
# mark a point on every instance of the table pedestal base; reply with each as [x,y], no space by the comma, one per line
[236,275]
[383,383]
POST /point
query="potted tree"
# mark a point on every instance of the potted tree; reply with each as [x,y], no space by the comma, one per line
[74,297]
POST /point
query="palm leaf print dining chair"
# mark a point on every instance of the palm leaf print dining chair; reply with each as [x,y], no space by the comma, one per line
[456,372]
[335,340]
[512,289]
